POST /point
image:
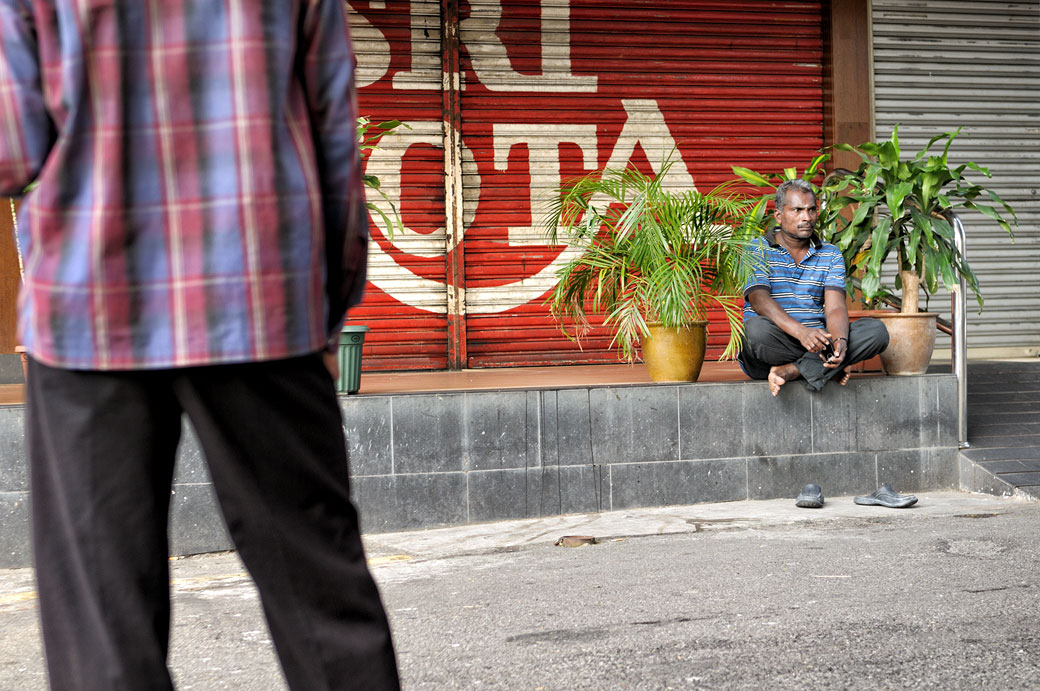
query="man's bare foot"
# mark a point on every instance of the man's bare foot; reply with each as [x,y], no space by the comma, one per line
[845,376]
[780,375]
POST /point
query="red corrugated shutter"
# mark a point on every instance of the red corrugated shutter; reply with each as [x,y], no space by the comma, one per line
[552,89]
[399,78]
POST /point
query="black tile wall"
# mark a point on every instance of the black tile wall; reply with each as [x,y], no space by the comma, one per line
[939,468]
[834,415]
[566,427]
[837,474]
[564,489]
[495,430]
[428,433]
[404,502]
[423,460]
[901,469]
[888,413]
[946,413]
[497,495]
[366,426]
[711,421]
[678,482]
[777,425]
[15,551]
[634,424]
[14,467]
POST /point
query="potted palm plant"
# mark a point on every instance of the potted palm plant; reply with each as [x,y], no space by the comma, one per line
[652,261]
[903,209]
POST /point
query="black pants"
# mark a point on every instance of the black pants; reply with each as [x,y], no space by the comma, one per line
[766,345]
[102,448]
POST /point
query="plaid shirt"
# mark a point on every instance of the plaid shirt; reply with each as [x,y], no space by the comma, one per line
[199,196]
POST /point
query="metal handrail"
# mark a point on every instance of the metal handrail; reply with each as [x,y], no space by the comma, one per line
[959,360]
[957,329]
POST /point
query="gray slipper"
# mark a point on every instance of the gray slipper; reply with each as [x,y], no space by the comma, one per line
[886,496]
[810,498]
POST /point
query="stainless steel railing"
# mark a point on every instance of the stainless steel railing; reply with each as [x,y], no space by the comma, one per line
[959,358]
[957,329]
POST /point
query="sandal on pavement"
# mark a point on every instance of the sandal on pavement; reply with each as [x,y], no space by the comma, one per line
[886,496]
[810,498]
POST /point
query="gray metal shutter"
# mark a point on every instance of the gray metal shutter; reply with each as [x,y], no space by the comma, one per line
[939,65]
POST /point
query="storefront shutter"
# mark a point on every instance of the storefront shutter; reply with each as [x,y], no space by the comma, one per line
[399,78]
[555,89]
[550,89]
[940,65]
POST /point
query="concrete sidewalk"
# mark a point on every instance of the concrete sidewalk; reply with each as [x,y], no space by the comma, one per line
[732,595]
[1004,427]
[507,536]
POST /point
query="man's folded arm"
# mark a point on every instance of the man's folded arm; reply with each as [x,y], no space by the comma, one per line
[325,40]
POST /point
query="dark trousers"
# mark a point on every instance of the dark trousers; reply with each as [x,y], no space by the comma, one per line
[765,345]
[102,448]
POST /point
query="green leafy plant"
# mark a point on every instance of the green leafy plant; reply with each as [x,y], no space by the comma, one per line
[903,206]
[368,135]
[644,253]
[827,188]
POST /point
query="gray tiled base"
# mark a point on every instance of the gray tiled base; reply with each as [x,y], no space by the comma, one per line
[11,368]
[425,460]
[14,471]
[1000,477]
[15,550]
[974,478]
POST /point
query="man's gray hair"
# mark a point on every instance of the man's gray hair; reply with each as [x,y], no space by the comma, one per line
[796,184]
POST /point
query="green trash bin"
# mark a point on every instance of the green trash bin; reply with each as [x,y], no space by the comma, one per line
[351,339]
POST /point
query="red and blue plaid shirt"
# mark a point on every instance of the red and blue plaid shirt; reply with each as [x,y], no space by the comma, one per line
[199,197]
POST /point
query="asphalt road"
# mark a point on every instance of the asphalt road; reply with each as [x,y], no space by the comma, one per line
[738,595]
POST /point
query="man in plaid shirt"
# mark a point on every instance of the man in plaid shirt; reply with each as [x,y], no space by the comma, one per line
[195,238]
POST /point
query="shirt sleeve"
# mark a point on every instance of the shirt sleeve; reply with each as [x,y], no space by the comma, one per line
[836,272]
[759,266]
[26,131]
[328,76]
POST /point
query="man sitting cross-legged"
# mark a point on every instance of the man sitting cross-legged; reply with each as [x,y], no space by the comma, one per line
[796,323]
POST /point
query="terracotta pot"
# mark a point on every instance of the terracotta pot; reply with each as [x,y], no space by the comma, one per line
[911,342]
[675,354]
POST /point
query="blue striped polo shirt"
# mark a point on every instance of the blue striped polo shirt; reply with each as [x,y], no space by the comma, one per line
[797,288]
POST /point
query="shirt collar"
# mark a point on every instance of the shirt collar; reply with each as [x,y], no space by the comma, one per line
[770,236]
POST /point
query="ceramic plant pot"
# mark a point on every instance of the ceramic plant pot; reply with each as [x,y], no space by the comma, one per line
[675,354]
